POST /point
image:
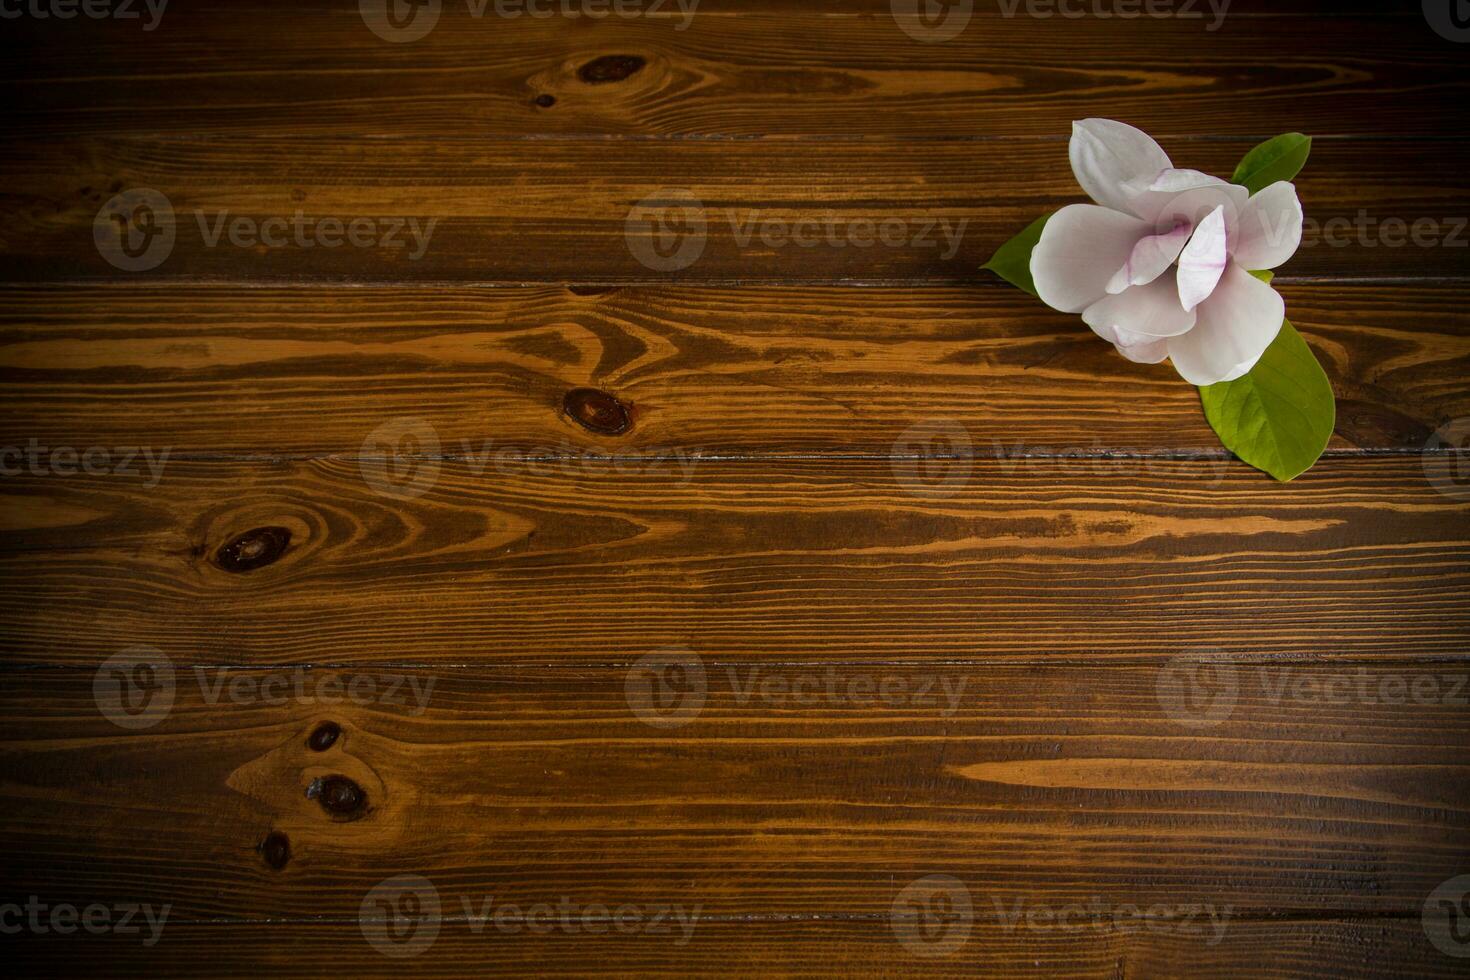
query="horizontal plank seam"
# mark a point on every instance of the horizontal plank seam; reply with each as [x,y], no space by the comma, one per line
[714,282]
[1038,454]
[1059,662]
[1254,915]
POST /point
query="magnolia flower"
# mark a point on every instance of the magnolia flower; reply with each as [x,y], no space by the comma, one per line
[1161,265]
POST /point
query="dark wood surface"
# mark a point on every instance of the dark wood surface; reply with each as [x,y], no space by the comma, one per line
[1123,669]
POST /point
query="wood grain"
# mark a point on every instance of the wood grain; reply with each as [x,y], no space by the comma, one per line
[314,68]
[559,210]
[727,371]
[510,560]
[1294,949]
[785,791]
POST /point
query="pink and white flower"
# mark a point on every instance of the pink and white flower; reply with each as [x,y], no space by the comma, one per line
[1161,265]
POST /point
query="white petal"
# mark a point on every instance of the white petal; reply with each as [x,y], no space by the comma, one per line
[1109,156]
[1150,352]
[1203,260]
[1150,258]
[1169,209]
[1144,312]
[1270,228]
[1080,249]
[1236,325]
[1178,181]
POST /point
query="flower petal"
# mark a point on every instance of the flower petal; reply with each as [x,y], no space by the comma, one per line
[1080,249]
[1145,312]
[1150,258]
[1108,156]
[1236,325]
[1203,260]
[1199,194]
[1151,351]
[1270,227]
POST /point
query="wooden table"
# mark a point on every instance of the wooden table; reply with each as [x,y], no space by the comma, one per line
[667,552]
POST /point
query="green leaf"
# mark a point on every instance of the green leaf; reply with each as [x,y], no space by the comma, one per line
[1281,158]
[1278,417]
[1265,275]
[1012,261]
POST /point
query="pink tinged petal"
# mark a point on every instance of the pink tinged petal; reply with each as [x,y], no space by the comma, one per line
[1135,347]
[1140,314]
[1170,209]
[1150,258]
[1114,161]
[1080,249]
[1203,260]
[1150,352]
[1270,228]
[1236,325]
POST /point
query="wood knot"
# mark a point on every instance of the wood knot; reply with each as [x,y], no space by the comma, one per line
[339,796]
[597,411]
[324,736]
[253,549]
[610,68]
[545,101]
[276,849]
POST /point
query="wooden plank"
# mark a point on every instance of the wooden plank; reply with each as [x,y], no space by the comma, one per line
[1326,949]
[508,560]
[316,68]
[217,370]
[761,791]
[580,211]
